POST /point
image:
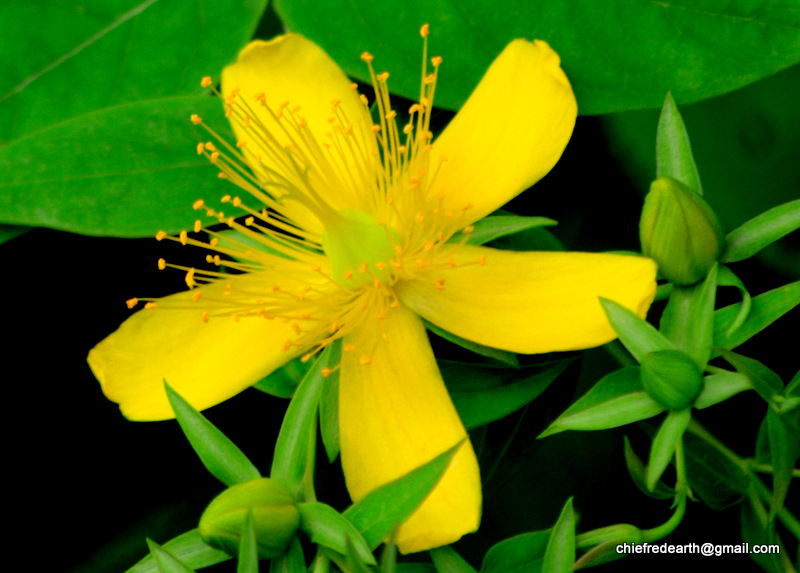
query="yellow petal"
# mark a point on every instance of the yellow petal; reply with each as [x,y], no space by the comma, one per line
[206,363]
[531,302]
[292,69]
[509,134]
[395,415]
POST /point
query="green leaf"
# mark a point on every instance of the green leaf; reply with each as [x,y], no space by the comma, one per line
[483,394]
[757,233]
[763,380]
[248,549]
[537,239]
[719,387]
[663,446]
[560,553]
[446,560]
[500,355]
[219,455]
[383,509]
[283,382]
[638,336]
[165,561]
[75,58]
[638,472]
[496,226]
[326,526]
[727,278]
[329,416]
[190,548]
[766,308]
[8,232]
[299,429]
[693,48]
[715,479]
[126,171]
[616,400]
[415,568]
[784,447]
[673,150]
[292,561]
[688,319]
[758,530]
[522,553]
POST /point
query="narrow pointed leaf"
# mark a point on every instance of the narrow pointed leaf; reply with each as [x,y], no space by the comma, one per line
[716,480]
[764,380]
[616,400]
[219,455]
[745,241]
[377,514]
[292,561]
[483,394]
[638,336]
[329,416]
[663,447]
[727,278]
[560,553]
[784,447]
[165,561]
[522,553]
[248,549]
[503,356]
[446,560]
[326,526]
[719,387]
[190,548]
[494,227]
[673,151]
[638,472]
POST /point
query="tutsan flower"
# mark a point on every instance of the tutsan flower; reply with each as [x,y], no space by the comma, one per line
[343,232]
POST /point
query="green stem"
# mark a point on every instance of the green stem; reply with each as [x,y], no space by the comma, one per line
[682,490]
[321,564]
[768,469]
[784,515]
[697,429]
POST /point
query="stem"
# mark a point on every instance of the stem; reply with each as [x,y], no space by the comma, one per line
[697,429]
[682,489]
[784,515]
[768,469]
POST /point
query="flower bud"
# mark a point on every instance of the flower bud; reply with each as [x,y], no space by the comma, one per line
[680,231]
[671,378]
[275,517]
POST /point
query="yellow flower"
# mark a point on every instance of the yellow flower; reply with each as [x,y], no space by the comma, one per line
[346,237]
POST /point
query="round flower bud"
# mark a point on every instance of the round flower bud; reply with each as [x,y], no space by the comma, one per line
[671,378]
[680,231]
[275,517]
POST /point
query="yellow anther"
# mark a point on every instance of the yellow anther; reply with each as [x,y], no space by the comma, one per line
[247,121]
[425,30]
[408,128]
[420,217]
[200,148]
[161,235]
[217,260]
[395,264]
[306,357]
[363,99]
[196,296]
[391,115]
[221,175]
[214,157]
[366,360]
[206,81]
[235,317]
[286,345]
[197,226]
[162,264]
[467,207]
[184,237]
[482,260]
[381,316]
[325,372]
[349,347]
[189,278]
[381,266]
[196,119]
[150,305]
[377,283]
[262,97]
[225,199]
[376,128]
[363,268]
[354,86]
[389,198]
[440,283]
[249,221]
[348,275]
[205,317]
[229,221]
[275,288]
[228,111]
[421,264]
[469,229]
[367,57]
[382,77]
[131,302]
[436,61]
[213,242]
[210,146]
[415,108]
[237,201]
[428,246]
[398,250]
[395,304]
[241,144]
[429,79]
[197,205]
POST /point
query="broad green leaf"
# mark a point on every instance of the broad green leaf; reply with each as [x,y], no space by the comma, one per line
[127,171]
[693,48]
[616,400]
[688,319]
[494,227]
[190,548]
[763,380]
[446,560]
[383,509]
[291,561]
[503,356]
[329,415]
[748,239]
[284,381]
[638,336]
[713,477]
[766,308]
[727,278]
[522,553]
[560,553]
[663,446]
[165,561]
[299,428]
[784,447]
[673,150]
[247,561]
[219,455]
[64,59]
[483,394]
[638,472]
[8,232]
[719,387]
[326,526]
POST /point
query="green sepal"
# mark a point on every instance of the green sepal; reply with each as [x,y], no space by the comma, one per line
[560,553]
[719,387]
[638,473]
[616,400]
[290,561]
[247,560]
[713,477]
[326,526]
[219,455]
[673,151]
[746,240]
[671,378]
[496,226]
[189,548]
[663,447]
[329,415]
[503,356]
[518,554]
[535,239]
[382,510]
[446,560]
[764,381]
[638,335]
[165,561]
[284,381]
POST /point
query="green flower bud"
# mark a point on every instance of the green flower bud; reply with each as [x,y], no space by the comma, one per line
[275,517]
[680,231]
[671,378]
